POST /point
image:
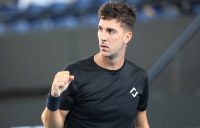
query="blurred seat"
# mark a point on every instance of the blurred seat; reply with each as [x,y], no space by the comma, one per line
[57,9]
[196,8]
[41,24]
[170,12]
[69,22]
[9,13]
[83,6]
[19,26]
[35,12]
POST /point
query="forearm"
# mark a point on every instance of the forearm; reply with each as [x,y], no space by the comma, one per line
[144,126]
[52,119]
[141,120]
[52,116]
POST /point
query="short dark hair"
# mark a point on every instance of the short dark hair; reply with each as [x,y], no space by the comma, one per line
[118,10]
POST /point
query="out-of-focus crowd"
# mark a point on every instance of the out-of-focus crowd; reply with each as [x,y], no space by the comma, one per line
[32,15]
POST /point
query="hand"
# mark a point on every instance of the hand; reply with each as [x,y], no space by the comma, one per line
[61,82]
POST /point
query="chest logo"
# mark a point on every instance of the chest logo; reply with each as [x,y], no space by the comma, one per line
[134,92]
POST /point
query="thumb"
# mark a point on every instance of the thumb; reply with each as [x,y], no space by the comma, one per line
[71,77]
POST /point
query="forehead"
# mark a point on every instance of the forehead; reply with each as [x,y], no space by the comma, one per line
[112,23]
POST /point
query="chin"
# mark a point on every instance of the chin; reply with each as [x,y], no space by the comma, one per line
[106,54]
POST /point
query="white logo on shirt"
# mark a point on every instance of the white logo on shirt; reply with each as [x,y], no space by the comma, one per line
[134,92]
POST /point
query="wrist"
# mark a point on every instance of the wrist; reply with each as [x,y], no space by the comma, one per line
[53,102]
[55,93]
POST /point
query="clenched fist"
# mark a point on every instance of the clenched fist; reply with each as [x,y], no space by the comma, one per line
[61,82]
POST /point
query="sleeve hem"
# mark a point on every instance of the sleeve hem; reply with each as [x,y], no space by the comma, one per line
[142,109]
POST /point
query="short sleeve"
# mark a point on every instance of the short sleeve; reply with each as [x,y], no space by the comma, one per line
[67,97]
[144,96]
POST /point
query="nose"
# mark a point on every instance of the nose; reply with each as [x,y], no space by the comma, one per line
[102,36]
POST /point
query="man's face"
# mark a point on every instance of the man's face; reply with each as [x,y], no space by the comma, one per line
[112,38]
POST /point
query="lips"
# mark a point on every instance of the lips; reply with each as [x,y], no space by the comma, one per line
[104,46]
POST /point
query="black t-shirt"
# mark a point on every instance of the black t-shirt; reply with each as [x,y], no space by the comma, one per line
[101,98]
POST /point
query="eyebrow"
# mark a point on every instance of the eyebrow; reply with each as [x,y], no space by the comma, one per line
[110,29]
[99,26]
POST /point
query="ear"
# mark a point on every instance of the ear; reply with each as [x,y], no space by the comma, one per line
[128,36]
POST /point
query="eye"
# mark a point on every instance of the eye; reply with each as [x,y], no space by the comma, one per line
[111,31]
[99,28]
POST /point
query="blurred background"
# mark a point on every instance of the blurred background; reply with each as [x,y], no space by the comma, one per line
[39,37]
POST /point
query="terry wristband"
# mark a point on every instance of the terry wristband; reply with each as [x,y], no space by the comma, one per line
[53,103]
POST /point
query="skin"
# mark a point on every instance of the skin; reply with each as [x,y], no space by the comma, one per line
[113,40]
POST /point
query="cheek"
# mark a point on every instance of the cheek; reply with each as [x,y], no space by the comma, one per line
[98,34]
[118,40]
[117,45]
[115,38]
[119,37]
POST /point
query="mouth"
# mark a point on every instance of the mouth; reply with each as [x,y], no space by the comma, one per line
[104,46]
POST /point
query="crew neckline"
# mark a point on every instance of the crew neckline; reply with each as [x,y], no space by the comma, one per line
[108,70]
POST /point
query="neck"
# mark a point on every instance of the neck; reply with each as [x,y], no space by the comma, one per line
[110,63]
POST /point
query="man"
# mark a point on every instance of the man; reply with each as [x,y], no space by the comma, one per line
[105,90]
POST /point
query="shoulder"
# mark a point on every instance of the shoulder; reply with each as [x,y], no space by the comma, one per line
[133,67]
[78,64]
[136,71]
